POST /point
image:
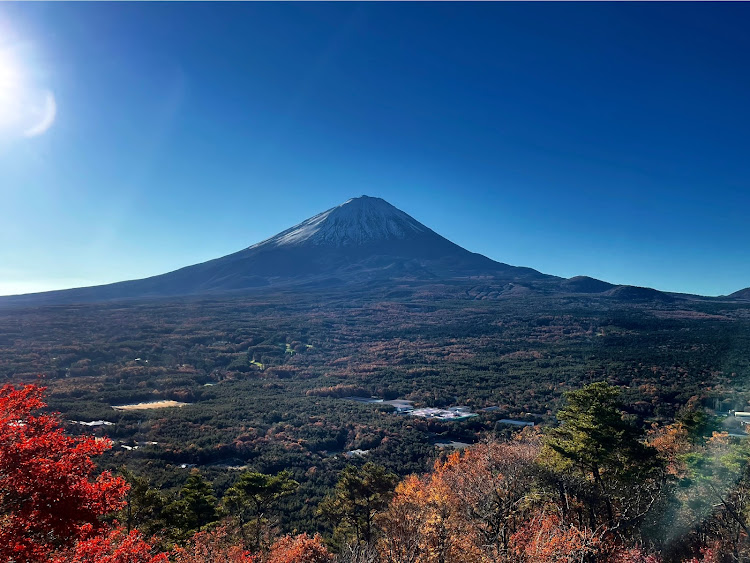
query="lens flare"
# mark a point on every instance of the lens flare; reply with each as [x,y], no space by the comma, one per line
[42,114]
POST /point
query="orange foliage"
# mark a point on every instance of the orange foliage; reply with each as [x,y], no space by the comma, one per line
[546,539]
[465,510]
[424,525]
[299,549]
[217,546]
[214,546]
[671,442]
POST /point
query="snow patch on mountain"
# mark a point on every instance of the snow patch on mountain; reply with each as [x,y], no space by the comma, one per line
[355,222]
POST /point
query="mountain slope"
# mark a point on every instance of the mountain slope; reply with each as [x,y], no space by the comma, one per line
[585,284]
[635,294]
[361,240]
[741,294]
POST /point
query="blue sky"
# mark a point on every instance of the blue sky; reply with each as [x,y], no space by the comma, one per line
[605,139]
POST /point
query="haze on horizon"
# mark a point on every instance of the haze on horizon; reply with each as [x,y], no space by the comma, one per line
[607,140]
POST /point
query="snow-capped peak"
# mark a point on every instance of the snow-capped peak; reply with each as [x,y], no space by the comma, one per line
[357,221]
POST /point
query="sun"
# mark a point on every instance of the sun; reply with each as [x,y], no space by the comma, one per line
[25,109]
[11,90]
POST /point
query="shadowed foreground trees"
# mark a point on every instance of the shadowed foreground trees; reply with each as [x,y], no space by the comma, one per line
[144,506]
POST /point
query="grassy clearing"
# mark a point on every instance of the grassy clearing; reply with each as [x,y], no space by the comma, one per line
[152,405]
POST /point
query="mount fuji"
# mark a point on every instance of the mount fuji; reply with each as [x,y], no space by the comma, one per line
[364,239]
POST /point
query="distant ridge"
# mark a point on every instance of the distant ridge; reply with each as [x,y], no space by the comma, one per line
[628,293]
[638,294]
[741,294]
[585,284]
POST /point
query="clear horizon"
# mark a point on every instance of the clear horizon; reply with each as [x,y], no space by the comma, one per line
[607,140]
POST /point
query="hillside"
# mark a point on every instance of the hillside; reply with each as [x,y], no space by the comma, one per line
[585,284]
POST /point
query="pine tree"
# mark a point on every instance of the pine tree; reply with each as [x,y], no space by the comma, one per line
[358,495]
[596,440]
[253,496]
[194,509]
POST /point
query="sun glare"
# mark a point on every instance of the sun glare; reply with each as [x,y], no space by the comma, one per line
[11,90]
[25,109]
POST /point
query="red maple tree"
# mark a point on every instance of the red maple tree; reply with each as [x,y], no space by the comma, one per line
[50,498]
[116,546]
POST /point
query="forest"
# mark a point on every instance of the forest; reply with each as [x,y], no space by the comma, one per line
[594,488]
[264,377]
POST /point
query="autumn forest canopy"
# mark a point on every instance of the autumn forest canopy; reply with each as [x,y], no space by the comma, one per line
[631,457]
[594,488]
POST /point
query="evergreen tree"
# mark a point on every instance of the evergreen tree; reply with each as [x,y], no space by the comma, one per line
[144,505]
[698,424]
[194,509]
[253,496]
[595,439]
[359,494]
